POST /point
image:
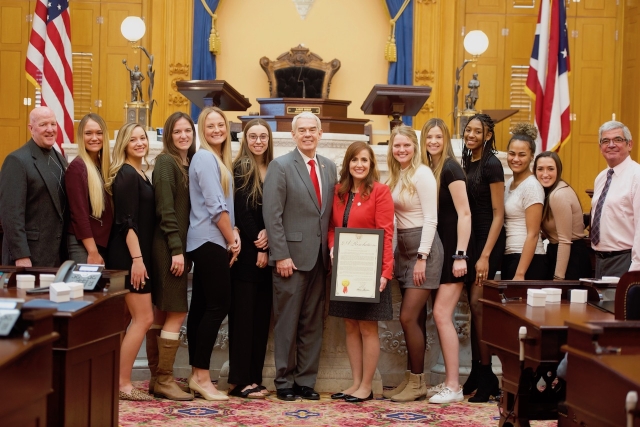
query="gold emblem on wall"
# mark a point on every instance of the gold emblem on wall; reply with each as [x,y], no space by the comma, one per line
[179,69]
[422,77]
[176,98]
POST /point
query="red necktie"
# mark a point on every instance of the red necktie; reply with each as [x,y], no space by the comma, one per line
[314,180]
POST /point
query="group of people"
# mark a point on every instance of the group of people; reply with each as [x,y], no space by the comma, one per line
[260,231]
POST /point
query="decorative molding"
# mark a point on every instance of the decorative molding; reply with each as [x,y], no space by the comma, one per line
[427,2]
[393,343]
[303,7]
[179,69]
[424,76]
[427,108]
[177,100]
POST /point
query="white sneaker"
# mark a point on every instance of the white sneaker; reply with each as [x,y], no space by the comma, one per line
[446,395]
[432,391]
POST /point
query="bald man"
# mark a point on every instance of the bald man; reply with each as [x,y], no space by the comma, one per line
[32,197]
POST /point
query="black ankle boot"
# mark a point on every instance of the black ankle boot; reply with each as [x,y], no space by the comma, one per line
[472,381]
[488,385]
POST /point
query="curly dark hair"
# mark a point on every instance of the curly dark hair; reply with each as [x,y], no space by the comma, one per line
[525,132]
[488,148]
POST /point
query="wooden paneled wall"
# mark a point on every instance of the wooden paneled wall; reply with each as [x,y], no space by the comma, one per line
[101,82]
[14,38]
[630,111]
[597,63]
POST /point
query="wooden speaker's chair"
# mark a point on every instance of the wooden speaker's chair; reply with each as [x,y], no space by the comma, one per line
[627,304]
[288,72]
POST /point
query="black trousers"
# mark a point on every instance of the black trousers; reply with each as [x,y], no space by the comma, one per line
[537,269]
[249,319]
[209,301]
[579,265]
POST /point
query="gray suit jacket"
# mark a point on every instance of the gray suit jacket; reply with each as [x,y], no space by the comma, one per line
[30,210]
[296,226]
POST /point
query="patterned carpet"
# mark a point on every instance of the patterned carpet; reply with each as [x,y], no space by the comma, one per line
[325,412]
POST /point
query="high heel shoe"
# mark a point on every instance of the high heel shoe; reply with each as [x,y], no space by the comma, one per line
[194,386]
[473,379]
[488,385]
[354,399]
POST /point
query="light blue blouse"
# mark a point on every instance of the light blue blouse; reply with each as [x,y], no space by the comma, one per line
[208,201]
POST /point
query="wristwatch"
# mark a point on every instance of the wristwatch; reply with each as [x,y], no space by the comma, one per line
[422,256]
[460,255]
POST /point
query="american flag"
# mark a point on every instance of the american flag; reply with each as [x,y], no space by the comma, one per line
[547,81]
[48,64]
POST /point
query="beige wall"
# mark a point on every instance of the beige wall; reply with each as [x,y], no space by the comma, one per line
[354,31]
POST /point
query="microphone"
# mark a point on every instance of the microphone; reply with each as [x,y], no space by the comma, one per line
[304,88]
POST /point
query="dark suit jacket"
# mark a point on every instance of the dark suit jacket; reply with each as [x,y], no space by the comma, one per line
[30,209]
[297,227]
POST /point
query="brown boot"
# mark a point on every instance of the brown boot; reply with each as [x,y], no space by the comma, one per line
[415,390]
[152,355]
[165,385]
[390,393]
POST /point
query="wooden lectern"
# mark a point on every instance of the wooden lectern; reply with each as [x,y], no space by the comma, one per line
[396,101]
[217,93]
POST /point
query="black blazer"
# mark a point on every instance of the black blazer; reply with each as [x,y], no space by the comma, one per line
[32,216]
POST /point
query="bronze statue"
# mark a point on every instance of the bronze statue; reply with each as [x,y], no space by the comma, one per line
[472,97]
[135,78]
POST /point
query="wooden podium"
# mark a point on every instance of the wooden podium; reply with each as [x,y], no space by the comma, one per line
[217,93]
[396,101]
[279,112]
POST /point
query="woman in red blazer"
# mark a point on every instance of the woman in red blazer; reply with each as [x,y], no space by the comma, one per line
[360,201]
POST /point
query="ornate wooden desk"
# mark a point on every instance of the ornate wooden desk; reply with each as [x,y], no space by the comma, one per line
[26,370]
[603,366]
[530,389]
[86,355]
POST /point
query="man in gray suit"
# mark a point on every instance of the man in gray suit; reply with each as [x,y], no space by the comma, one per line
[32,197]
[297,200]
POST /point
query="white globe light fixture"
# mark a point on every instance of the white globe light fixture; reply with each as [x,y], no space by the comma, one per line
[475,44]
[133,28]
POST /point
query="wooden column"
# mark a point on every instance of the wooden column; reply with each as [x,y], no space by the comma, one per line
[170,25]
[436,43]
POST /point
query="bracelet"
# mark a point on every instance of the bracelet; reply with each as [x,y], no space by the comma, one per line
[134,257]
[559,278]
[457,257]
[237,229]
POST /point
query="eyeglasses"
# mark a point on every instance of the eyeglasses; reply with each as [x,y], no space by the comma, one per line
[617,141]
[253,137]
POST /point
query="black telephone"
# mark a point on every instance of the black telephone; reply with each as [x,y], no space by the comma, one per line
[87,274]
[64,272]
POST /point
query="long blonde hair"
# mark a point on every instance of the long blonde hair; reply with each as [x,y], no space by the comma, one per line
[224,161]
[395,176]
[245,165]
[447,149]
[96,177]
[120,154]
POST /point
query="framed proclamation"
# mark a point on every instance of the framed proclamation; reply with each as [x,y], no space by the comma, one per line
[357,265]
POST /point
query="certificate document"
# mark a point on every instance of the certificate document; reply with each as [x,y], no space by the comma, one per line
[357,265]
